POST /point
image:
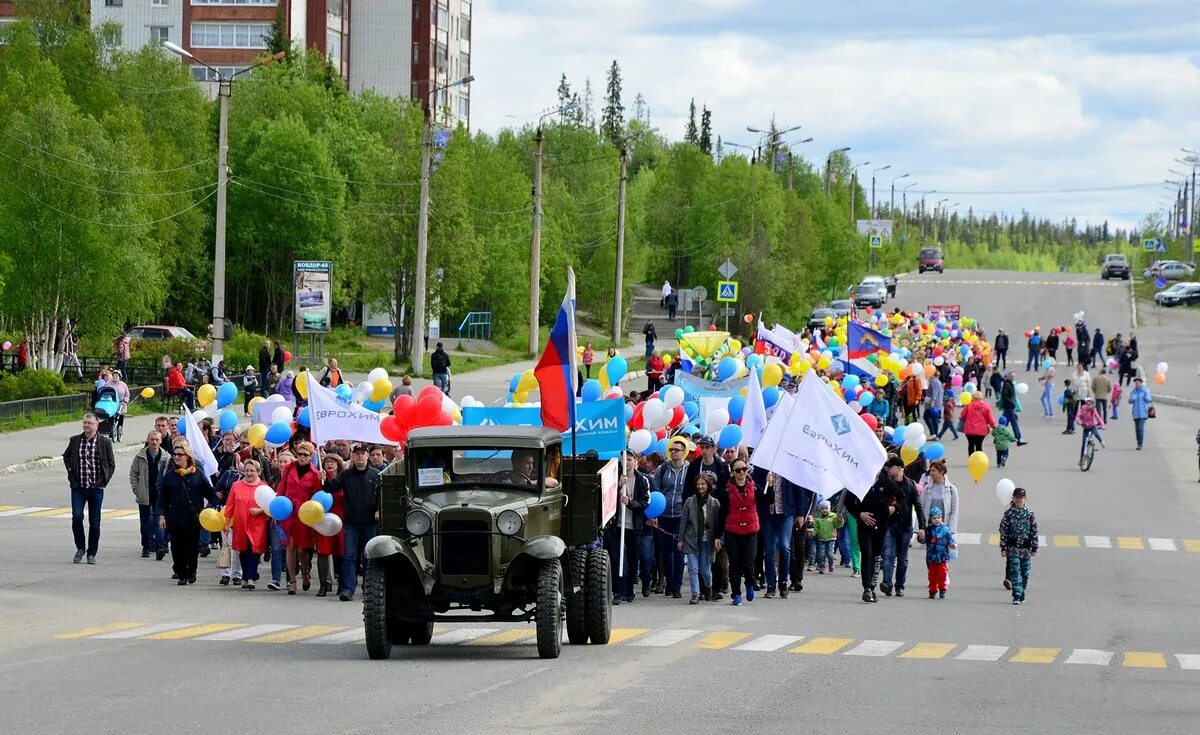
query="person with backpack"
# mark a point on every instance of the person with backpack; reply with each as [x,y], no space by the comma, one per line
[1008,406]
[911,394]
[1035,349]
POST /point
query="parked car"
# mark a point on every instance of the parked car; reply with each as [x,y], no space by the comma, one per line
[868,294]
[1170,270]
[159,331]
[930,259]
[842,307]
[878,282]
[1114,266]
[1179,294]
[817,319]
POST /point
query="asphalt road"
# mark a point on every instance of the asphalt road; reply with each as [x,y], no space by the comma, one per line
[1107,641]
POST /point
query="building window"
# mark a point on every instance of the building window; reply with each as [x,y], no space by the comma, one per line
[443,59]
[159,34]
[464,107]
[443,17]
[230,35]
[158,3]
[464,64]
[335,50]
[114,3]
[335,8]
[464,28]
[416,53]
[204,74]
[230,2]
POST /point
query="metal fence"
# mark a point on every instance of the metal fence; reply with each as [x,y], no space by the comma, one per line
[476,325]
[138,370]
[76,403]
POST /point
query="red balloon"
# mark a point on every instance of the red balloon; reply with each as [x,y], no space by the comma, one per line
[748,318]
[712,327]
[390,430]
[403,407]
[661,434]
[430,390]
[287,356]
[636,422]
[429,407]
[870,420]
[444,419]
[677,416]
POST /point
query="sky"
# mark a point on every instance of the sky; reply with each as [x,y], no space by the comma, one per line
[976,99]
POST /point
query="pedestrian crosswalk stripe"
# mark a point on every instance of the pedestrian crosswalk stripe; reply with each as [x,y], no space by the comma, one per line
[1097,542]
[1066,542]
[191,632]
[242,634]
[1090,657]
[982,653]
[297,634]
[24,511]
[462,635]
[1036,656]
[119,513]
[721,639]
[1144,660]
[668,637]
[48,513]
[8,507]
[1191,544]
[144,630]
[1161,544]
[96,630]
[994,539]
[823,646]
[971,539]
[620,635]
[770,642]
[928,650]
[505,637]
[354,635]
[1190,661]
[874,648]
[1129,542]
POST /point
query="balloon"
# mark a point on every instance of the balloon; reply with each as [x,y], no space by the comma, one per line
[403,407]
[287,357]
[300,384]
[329,525]
[527,382]
[898,435]
[147,393]
[376,406]
[7,345]
[909,454]
[227,421]
[205,395]
[592,391]
[964,399]
[771,396]
[324,498]
[275,398]
[615,369]
[668,359]
[730,436]
[913,439]
[392,429]
[428,408]
[657,504]
[212,520]
[281,415]
[673,396]
[870,420]
[278,434]
[737,405]
[304,418]
[310,512]
[263,495]
[380,389]
[256,435]
[691,409]
[939,360]
[866,398]
[199,416]
[281,508]
[344,393]
[640,441]
[772,375]
[956,381]
[1161,369]
[726,368]
[1004,490]
[376,375]
[655,413]
[226,394]
[977,465]
[850,382]
[881,380]
[934,451]
[1022,388]
[254,402]
[1159,378]
[678,416]
[717,419]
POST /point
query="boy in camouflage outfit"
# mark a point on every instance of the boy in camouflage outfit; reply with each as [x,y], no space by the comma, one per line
[1018,544]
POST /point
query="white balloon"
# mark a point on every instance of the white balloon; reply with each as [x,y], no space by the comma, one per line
[199,415]
[275,398]
[1022,388]
[263,495]
[614,392]
[1004,491]
[468,401]
[329,525]
[915,427]
[913,440]
[1162,368]
[655,413]
[362,392]
[717,420]
[281,415]
[854,406]
[376,375]
[939,361]
[673,396]
[640,440]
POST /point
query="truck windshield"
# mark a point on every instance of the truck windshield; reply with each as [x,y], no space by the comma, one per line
[440,467]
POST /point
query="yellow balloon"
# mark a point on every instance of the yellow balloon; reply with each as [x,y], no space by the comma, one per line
[212,520]
[206,395]
[803,366]
[772,375]
[520,396]
[735,345]
[301,385]
[964,399]
[881,380]
[667,360]
[381,389]
[311,512]
[256,435]
[824,363]
[147,393]
[604,380]
[977,465]
[909,454]
[527,382]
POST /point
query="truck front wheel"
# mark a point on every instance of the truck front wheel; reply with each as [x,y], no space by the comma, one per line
[549,613]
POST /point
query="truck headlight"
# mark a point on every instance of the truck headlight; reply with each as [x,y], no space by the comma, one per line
[418,522]
[509,523]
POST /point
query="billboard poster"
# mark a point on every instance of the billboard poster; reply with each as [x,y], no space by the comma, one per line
[944,311]
[313,306]
[881,227]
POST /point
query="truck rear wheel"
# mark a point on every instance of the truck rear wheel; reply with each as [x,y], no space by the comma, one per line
[598,597]
[549,614]
[577,631]
[375,622]
[420,634]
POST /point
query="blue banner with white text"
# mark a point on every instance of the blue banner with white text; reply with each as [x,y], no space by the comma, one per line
[599,425]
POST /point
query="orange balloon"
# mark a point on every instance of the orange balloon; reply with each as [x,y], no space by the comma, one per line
[929,371]
[1159,378]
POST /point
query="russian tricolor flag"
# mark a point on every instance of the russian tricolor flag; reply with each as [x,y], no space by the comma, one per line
[556,370]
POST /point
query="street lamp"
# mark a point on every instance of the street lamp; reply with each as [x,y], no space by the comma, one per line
[416,343]
[904,203]
[931,191]
[224,90]
[882,168]
[829,163]
[772,138]
[854,187]
[535,245]
[892,201]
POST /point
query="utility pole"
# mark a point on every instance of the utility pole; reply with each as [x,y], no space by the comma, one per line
[853,186]
[829,165]
[535,248]
[618,284]
[416,340]
[791,172]
[218,325]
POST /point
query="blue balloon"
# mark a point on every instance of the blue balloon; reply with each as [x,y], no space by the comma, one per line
[226,394]
[770,396]
[628,412]
[660,447]
[278,433]
[726,368]
[375,405]
[182,427]
[731,436]
[753,361]
[1062,400]
[344,393]
[512,384]
[935,450]
[737,405]
[305,418]
[592,391]
[658,503]
[280,508]
[898,436]
[866,398]
[227,421]
[691,409]
[324,498]
[616,369]
[850,382]
[689,430]
[686,365]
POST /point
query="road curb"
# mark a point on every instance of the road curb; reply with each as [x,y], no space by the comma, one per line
[1176,401]
[34,465]
[1132,303]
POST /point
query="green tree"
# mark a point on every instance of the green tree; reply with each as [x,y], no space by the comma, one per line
[705,141]
[612,121]
[691,133]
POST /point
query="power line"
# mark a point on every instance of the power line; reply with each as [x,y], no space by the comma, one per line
[51,207]
[335,178]
[1084,190]
[105,169]
[243,182]
[102,190]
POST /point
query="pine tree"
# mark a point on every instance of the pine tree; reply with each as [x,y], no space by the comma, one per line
[690,134]
[575,116]
[588,116]
[640,111]
[706,130]
[277,38]
[564,94]
[612,121]
[720,148]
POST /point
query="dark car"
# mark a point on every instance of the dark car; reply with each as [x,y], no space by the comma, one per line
[842,307]
[817,319]
[930,259]
[1115,266]
[1180,294]
[867,294]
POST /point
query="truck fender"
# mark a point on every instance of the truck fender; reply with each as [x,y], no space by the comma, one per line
[382,547]
[544,547]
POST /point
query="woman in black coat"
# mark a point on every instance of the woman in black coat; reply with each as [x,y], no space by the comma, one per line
[181,496]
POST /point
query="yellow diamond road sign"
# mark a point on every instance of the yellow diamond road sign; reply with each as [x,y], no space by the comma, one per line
[727,291]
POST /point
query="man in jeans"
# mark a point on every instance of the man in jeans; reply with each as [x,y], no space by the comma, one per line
[671,480]
[90,465]
[787,507]
[899,529]
[148,467]
[359,486]
[439,364]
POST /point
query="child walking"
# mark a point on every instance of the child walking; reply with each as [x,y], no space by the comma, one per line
[1070,405]
[1002,438]
[939,540]
[696,535]
[824,531]
[1018,544]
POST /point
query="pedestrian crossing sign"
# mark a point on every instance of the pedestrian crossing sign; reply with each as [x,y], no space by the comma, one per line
[876,241]
[1162,246]
[1196,244]
[727,291]
[1149,243]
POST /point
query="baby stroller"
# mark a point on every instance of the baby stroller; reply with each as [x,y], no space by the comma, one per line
[106,404]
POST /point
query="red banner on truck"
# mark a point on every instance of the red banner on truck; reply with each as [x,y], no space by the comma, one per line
[946,311]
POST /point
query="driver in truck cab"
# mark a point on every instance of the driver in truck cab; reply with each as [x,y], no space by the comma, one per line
[524,467]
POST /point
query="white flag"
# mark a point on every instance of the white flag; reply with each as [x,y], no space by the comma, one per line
[820,444]
[203,453]
[332,419]
[754,414]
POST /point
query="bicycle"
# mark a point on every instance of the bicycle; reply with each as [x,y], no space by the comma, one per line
[1088,453]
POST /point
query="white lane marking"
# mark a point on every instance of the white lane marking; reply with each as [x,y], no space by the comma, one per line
[1041,541]
[1188,661]
[769,642]
[145,630]
[244,633]
[1090,657]
[23,511]
[975,652]
[62,515]
[462,635]
[971,539]
[356,635]
[664,638]
[874,648]
[1162,544]
[1097,542]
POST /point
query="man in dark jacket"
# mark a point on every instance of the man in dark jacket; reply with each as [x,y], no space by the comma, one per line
[1000,347]
[1035,350]
[872,513]
[651,335]
[439,365]
[785,509]
[90,465]
[635,496]
[1008,405]
[899,528]
[359,484]
[264,359]
[1097,347]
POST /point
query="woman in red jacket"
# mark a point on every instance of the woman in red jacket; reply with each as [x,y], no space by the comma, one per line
[977,422]
[740,536]
[298,483]
[248,533]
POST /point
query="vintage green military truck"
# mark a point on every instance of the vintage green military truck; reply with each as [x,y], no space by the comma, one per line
[488,523]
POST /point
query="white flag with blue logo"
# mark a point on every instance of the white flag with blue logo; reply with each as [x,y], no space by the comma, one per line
[820,444]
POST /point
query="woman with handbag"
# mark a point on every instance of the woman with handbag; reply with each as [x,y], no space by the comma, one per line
[1142,408]
[181,496]
[248,529]
[298,482]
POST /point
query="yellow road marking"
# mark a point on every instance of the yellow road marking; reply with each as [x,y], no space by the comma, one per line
[192,632]
[99,629]
[1130,542]
[9,507]
[48,513]
[721,639]
[1190,544]
[298,634]
[620,635]
[1066,542]
[1036,656]
[823,646]
[1144,660]
[504,637]
[994,539]
[929,650]
[123,513]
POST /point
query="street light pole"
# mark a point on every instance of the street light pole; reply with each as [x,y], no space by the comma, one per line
[875,212]
[923,217]
[618,280]
[904,198]
[892,202]
[535,245]
[854,188]
[829,164]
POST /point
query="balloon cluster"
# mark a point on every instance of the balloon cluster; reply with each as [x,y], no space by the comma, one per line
[1160,373]
[431,407]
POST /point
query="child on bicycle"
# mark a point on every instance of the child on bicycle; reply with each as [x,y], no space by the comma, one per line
[1090,420]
